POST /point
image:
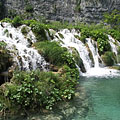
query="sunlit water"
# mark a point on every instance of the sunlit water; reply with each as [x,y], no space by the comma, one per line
[104,98]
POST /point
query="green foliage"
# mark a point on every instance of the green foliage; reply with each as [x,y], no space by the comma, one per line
[25,30]
[85,32]
[61,35]
[78,7]
[2,44]
[39,30]
[17,21]
[113,19]
[83,39]
[29,8]
[115,34]
[103,46]
[95,34]
[67,58]
[8,20]
[118,54]
[35,89]
[109,58]
[55,54]
[51,51]
[118,50]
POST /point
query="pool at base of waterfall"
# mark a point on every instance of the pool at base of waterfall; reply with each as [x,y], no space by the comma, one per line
[97,98]
[104,98]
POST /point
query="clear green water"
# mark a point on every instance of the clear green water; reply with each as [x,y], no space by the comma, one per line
[104,98]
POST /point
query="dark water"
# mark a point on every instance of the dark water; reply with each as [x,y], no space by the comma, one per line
[104,98]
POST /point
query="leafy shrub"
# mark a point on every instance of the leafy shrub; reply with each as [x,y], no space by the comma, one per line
[115,34]
[8,20]
[103,46]
[68,59]
[55,54]
[37,89]
[95,34]
[39,30]
[85,32]
[17,21]
[108,58]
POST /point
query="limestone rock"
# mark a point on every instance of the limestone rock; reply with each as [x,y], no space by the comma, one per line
[62,10]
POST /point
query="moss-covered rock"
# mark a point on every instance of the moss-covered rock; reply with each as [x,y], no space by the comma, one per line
[77,59]
[109,58]
[5,59]
[90,54]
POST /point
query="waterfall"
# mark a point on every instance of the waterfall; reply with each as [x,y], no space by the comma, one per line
[93,47]
[28,58]
[20,46]
[70,40]
[112,44]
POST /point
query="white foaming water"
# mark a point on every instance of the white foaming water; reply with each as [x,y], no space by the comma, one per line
[23,54]
[93,47]
[112,43]
[70,40]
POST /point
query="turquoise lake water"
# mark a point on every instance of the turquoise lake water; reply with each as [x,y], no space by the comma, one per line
[104,98]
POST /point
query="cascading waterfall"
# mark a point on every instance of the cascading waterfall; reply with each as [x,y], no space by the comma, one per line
[112,44]
[26,57]
[93,47]
[69,40]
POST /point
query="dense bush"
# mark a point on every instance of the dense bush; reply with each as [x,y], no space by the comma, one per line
[17,21]
[55,54]
[95,34]
[115,34]
[103,46]
[39,30]
[35,89]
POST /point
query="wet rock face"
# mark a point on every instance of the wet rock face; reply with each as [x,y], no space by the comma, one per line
[63,10]
[5,63]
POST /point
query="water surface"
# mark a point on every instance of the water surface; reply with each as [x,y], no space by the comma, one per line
[104,98]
